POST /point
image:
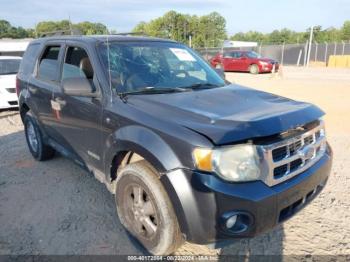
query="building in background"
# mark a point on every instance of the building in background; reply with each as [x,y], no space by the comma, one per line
[13,47]
[238,44]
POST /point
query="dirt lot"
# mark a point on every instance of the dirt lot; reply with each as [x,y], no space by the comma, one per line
[54,207]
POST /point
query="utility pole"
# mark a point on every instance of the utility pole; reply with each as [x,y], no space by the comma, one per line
[310,44]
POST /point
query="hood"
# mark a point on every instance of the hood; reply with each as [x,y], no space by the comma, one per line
[228,114]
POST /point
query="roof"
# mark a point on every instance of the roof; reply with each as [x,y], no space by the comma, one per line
[10,57]
[103,38]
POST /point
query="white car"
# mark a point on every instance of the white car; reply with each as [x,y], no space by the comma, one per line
[9,66]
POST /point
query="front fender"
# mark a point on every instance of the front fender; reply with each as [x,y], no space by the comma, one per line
[144,142]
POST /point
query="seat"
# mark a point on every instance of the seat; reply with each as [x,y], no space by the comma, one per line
[86,67]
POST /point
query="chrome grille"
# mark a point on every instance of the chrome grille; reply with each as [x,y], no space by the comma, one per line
[289,157]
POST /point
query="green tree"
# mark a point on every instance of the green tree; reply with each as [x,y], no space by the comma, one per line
[86,28]
[345,30]
[9,31]
[253,36]
[208,30]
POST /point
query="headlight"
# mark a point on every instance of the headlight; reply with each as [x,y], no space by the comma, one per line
[235,163]
[263,63]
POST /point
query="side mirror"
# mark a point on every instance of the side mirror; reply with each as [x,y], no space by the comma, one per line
[220,72]
[78,86]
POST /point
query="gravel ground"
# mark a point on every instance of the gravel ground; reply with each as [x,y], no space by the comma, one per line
[55,207]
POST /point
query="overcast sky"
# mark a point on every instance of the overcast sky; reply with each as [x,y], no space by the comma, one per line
[260,15]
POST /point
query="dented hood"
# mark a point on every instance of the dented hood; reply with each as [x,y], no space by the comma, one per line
[228,114]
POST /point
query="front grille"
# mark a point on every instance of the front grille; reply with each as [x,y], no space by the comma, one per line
[290,210]
[287,158]
[11,90]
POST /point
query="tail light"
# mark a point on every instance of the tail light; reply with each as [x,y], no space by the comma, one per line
[17,85]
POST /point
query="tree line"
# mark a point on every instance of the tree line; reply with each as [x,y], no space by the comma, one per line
[86,28]
[288,36]
[199,31]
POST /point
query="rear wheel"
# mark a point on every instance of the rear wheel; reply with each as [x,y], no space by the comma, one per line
[39,150]
[145,210]
[254,69]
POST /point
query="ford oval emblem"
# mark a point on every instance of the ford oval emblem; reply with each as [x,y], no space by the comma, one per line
[308,153]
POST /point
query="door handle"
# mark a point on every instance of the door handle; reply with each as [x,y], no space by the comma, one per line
[60,101]
[32,89]
[57,104]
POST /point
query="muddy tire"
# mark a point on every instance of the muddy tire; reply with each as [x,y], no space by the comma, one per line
[145,210]
[39,150]
[254,69]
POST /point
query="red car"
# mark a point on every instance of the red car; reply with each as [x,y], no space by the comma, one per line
[243,61]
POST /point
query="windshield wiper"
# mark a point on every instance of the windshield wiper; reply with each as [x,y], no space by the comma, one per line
[201,86]
[152,90]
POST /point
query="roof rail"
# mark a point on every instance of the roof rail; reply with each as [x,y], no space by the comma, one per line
[61,32]
[141,33]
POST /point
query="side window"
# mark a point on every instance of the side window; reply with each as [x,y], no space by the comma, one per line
[228,54]
[77,64]
[236,54]
[48,64]
[29,58]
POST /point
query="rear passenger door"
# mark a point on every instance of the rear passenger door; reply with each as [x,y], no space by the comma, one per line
[43,85]
[236,62]
[227,61]
[80,117]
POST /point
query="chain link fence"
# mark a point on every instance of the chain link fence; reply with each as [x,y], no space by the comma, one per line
[291,54]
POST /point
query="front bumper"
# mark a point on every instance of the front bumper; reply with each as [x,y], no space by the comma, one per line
[201,200]
[269,68]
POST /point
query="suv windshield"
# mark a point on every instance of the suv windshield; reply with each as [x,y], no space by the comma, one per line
[138,66]
[253,54]
[9,66]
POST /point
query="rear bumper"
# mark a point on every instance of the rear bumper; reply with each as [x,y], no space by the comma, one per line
[202,200]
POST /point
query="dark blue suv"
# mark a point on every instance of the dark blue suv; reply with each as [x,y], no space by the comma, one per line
[189,156]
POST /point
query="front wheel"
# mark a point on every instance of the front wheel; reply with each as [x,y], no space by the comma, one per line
[145,210]
[219,66]
[254,69]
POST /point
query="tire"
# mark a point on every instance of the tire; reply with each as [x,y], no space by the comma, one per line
[219,66]
[39,150]
[145,210]
[254,69]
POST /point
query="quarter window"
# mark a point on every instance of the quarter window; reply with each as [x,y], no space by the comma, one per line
[29,59]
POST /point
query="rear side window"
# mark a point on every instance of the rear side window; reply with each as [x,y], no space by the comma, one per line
[48,64]
[29,58]
[9,66]
[236,54]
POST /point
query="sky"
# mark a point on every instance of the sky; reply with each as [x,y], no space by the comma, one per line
[260,15]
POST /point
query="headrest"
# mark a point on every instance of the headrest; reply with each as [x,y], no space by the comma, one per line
[86,67]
